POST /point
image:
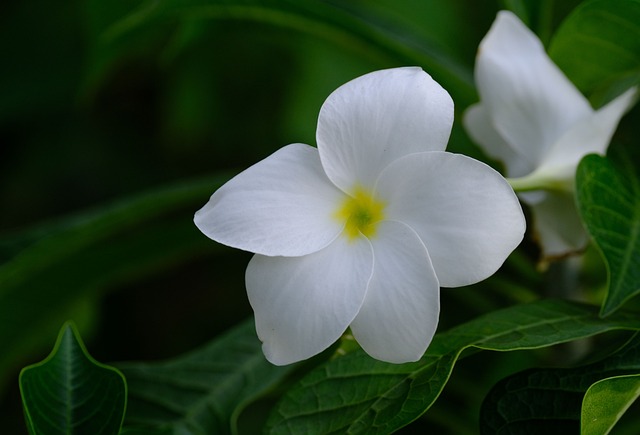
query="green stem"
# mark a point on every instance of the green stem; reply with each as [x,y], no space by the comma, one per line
[533,183]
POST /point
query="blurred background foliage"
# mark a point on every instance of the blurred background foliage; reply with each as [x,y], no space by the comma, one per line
[119,119]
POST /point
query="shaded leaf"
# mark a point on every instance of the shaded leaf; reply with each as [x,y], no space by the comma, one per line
[70,392]
[358,394]
[101,248]
[609,203]
[361,33]
[550,400]
[598,45]
[606,401]
[203,391]
[26,89]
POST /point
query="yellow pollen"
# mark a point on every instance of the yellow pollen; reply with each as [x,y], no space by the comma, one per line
[361,211]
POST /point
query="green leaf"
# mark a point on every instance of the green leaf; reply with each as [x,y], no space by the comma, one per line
[598,45]
[70,392]
[551,399]
[60,264]
[360,32]
[357,394]
[204,391]
[606,401]
[609,203]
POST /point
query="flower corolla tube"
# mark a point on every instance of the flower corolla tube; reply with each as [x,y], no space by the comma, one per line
[532,118]
[363,230]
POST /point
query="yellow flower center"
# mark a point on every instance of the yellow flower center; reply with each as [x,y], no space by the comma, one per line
[361,211]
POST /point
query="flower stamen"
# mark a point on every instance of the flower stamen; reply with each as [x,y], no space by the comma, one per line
[361,211]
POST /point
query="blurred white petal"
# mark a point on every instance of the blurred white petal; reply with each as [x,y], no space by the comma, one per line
[589,135]
[556,223]
[535,120]
[479,125]
[531,102]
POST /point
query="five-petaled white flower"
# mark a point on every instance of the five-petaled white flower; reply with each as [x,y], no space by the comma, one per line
[362,230]
[535,120]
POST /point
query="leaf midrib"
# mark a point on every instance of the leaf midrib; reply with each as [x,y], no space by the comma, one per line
[633,187]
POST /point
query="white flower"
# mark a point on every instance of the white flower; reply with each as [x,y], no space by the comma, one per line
[535,120]
[363,230]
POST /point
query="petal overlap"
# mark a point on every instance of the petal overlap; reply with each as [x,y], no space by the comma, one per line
[369,122]
[304,304]
[530,100]
[479,125]
[465,212]
[589,135]
[400,313]
[363,230]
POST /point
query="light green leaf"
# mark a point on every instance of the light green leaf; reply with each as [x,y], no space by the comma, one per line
[70,392]
[357,394]
[204,391]
[606,401]
[598,46]
[362,33]
[551,399]
[609,203]
[54,266]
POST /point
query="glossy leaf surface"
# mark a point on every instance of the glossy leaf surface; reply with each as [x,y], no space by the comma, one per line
[357,394]
[102,247]
[598,46]
[606,401]
[203,391]
[551,400]
[609,203]
[69,392]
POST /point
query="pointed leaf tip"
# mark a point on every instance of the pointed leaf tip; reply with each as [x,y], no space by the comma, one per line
[70,392]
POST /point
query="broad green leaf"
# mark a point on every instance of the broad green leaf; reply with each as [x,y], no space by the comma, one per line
[551,399]
[203,391]
[609,203]
[60,264]
[362,33]
[606,401]
[598,46]
[70,392]
[357,394]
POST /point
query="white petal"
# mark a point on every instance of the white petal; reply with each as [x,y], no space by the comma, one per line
[464,211]
[282,205]
[372,120]
[590,135]
[400,312]
[532,103]
[479,125]
[303,304]
[557,224]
